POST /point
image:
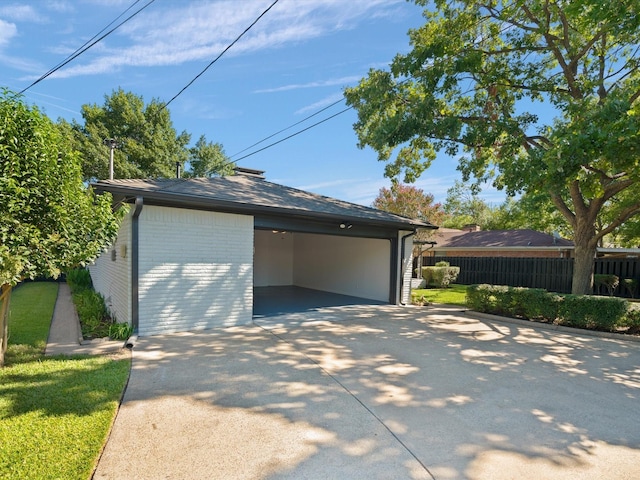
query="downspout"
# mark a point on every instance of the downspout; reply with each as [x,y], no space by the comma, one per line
[135,271]
[402,262]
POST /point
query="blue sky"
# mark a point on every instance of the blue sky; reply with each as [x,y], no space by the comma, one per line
[295,61]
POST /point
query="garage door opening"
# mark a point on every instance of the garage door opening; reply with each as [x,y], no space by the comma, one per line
[296,271]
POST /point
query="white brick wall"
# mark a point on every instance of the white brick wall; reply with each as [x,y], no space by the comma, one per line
[345,265]
[196,270]
[405,267]
[111,273]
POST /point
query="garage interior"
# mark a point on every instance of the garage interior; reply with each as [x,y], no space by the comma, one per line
[299,271]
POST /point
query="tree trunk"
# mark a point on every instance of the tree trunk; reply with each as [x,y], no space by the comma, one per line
[584,255]
[5,296]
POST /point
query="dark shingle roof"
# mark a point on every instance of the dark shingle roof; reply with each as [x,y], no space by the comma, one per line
[250,195]
[501,238]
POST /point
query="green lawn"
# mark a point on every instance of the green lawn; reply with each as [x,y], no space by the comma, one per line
[454,295]
[55,413]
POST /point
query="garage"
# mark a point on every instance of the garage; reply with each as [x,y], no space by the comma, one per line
[195,254]
[354,270]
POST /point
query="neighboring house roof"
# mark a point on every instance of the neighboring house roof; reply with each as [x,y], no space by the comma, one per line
[250,194]
[499,239]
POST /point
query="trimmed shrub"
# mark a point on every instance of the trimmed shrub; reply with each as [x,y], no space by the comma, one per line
[610,282]
[593,313]
[632,318]
[630,285]
[440,275]
[581,311]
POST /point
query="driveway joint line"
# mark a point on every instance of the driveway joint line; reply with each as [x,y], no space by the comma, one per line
[346,389]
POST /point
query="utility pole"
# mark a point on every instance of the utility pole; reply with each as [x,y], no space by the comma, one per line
[112,143]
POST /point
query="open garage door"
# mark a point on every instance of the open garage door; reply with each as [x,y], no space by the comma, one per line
[353,269]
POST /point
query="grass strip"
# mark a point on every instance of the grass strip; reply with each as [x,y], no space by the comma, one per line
[30,314]
[454,295]
[55,412]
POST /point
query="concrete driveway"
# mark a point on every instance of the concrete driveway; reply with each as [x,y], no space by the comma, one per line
[379,392]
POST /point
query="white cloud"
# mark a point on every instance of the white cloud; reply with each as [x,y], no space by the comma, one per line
[331,99]
[202,30]
[7,32]
[343,81]
[21,13]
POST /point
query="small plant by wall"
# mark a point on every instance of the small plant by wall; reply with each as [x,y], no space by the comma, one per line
[95,319]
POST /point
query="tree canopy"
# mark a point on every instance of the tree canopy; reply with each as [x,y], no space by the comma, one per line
[538,96]
[49,221]
[410,202]
[146,143]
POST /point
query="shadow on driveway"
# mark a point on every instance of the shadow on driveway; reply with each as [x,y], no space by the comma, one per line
[378,392]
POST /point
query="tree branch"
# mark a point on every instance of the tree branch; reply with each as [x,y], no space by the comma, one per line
[625,215]
[563,208]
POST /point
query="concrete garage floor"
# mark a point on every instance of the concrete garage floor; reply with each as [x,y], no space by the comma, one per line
[379,392]
[270,301]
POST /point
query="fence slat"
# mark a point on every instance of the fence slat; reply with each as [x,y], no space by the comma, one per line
[552,274]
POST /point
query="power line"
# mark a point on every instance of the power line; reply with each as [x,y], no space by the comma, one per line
[90,43]
[406,80]
[287,128]
[220,55]
[290,136]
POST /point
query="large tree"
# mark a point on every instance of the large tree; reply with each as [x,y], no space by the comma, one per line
[409,201]
[540,95]
[146,145]
[464,206]
[207,159]
[49,221]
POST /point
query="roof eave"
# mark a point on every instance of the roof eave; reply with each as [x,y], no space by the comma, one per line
[181,200]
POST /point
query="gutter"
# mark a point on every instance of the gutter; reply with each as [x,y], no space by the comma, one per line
[135,271]
[402,241]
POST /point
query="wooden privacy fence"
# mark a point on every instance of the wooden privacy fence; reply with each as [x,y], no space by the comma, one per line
[552,274]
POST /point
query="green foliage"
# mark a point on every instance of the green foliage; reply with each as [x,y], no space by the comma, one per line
[92,312]
[469,88]
[610,282]
[79,279]
[207,160]
[410,202]
[120,331]
[463,207]
[49,221]
[147,145]
[592,312]
[632,320]
[440,275]
[95,318]
[579,311]
[631,286]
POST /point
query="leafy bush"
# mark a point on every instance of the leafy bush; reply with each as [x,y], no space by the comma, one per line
[590,312]
[120,331]
[632,318]
[92,312]
[609,281]
[581,311]
[79,279]
[440,275]
[95,318]
[630,285]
